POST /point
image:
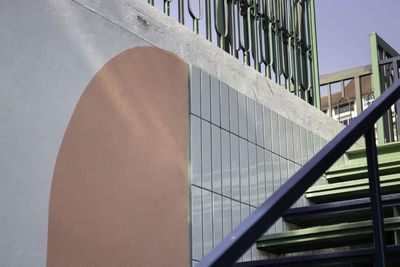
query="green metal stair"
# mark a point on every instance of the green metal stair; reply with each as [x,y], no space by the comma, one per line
[389,161]
[343,218]
[351,181]
[352,189]
[328,236]
[339,212]
[359,171]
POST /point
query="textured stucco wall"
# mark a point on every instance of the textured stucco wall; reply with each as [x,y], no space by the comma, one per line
[50,51]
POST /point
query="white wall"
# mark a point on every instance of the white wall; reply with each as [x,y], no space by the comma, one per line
[49,52]
[50,49]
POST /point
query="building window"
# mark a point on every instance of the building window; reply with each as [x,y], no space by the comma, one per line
[346,121]
[344,107]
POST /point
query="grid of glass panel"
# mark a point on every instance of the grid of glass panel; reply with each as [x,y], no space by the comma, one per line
[241,152]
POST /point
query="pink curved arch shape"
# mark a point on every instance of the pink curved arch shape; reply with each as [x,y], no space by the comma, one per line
[120,187]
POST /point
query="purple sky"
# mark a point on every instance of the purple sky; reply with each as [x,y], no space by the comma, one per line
[343,28]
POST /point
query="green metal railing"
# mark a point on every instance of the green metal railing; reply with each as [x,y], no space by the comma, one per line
[275,37]
[382,72]
[383,76]
[355,93]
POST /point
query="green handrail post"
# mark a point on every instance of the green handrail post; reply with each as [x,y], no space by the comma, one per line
[166,7]
[315,69]
[376,81]
[377,44]
[181,10]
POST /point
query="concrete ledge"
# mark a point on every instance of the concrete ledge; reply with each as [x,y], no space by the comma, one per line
[150,24]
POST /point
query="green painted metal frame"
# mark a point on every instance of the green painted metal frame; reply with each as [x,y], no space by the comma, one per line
[390,184]
[380,50]
[315,72]
[359,172]
[354,210]
[338,235]
[349,74]
[275,37]
[353,257]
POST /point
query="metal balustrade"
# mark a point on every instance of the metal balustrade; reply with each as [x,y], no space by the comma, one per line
[364,84]
[242,238]
[382,72]
[389,73]
[359,84]
[275,37]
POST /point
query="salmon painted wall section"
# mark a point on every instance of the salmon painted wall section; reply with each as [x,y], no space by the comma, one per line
[120,187]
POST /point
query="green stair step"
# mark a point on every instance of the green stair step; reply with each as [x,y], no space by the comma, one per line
[385,151]
[390,184]
[340,211]
[331,236]
[359,171]
[353,257]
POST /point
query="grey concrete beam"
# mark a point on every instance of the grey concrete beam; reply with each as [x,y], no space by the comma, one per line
[162,31]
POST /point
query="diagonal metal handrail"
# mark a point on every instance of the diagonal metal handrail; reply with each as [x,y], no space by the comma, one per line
[244,236]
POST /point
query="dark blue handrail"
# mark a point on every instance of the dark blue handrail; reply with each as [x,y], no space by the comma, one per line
[244,236]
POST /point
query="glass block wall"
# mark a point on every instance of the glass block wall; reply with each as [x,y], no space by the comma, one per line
[241,152]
